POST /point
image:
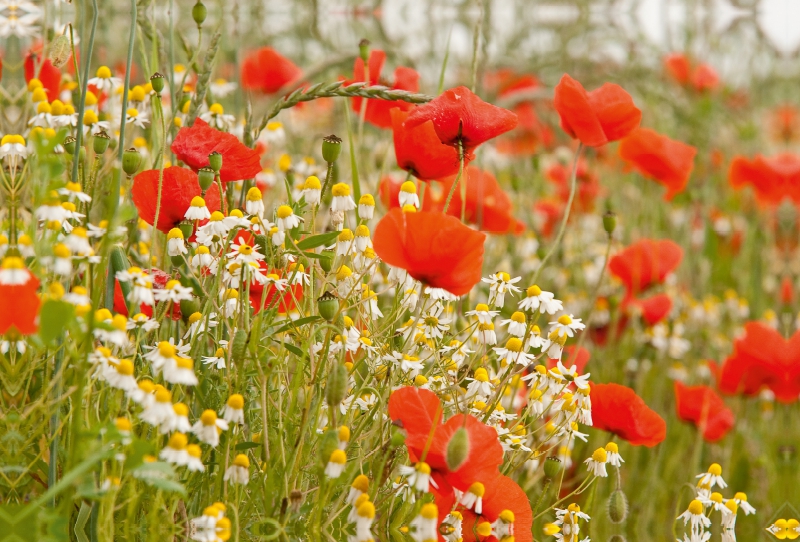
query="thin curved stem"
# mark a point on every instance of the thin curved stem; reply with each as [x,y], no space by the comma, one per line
[84,86]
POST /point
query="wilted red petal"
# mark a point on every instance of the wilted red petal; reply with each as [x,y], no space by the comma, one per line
[459,114]
[618,409]
[598,117]
[267,71]
[194,143]
[434,248]
[703,407]
[660,158]
[179,186]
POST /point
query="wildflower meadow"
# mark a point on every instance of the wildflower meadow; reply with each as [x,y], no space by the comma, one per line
[432,271]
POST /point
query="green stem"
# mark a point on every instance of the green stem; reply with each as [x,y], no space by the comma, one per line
[85,84]
[458,177]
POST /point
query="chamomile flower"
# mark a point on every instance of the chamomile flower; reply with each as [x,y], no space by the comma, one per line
[500,284]
[482,313]
[408,194]
[194,461]
[741,499]
[472,499]
[516,324]
[418,476]
[209,427]
[179,422]
[104,81]
[312,190]
[425,524]
[238,472]
[160,410]
[566,326]
[713,477]
[181,372]
[342,201]
[596,464]
[695,516]
[336,463]
[513,353]
[537,299]
[234,409]
[286,219]
[175,450]
[202,258]
[136,117]
[216,117]
[366,207]
[221,88]
[479,384]
[13,148]
[173,291]
[612,451]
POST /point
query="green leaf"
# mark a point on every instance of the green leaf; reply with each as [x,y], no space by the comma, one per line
[159,475]
[318,240]
[53,319]
[246,445]
[294,350]
[297,323]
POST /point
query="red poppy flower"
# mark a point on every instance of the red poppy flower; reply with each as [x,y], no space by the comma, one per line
[458,114]
[434,248]
[762,358]
[419,412]
[160,279]
[545,216]
[645,263]
[579,358]
[653,309]
[194,143]
[598,117]
[19,304]
[49,75]
[502,493]
[285,300]
[772,179]
[660,158]
[704,78]
[703,407]
[267,71]
[785,122]
[378,111]
[678,67]
[588,186]
[419,151]
[618,409]
[178,187]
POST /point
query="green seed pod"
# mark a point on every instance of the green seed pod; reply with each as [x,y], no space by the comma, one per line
[100,142]
[363,50]
[609,222]
[398,438]
[328,306]
[82,154]
[239,345]
[215,161]
[617,506]
[60,51]
[69,144]
[131,161]
[189,307]
[457,449]
[205,177]
[157,80]
[336,386]
[331,148]
[187,228]
[199,13]
[326,261]
[552,467]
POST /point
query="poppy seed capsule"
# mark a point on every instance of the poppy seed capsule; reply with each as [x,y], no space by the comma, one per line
[157,80]
[205,178]
[187,229]
[131,161]
[398,438]
[215,161]
[100,142]
[189,307]
[328,306]
[199,13]
[336,386]
[457,449]
[363,49]
[609,222]
[69,144]
[552,467]
[617,506]
[331,147]
[239,345]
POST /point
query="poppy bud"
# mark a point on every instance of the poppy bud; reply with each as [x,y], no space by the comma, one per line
[215,161]
[617,506]
[131,161]
[157,80]
[398,438]
[60,51]
[69,144]
[82,154]
[609,222]
[328,306]
[189,307]
[457,449]
[261,242]
[187,228]
[100,142]
[326,260]
[331,147]
[199,13]
[239,345]
[363,50]
[552,467]
[336,386]
[205,177]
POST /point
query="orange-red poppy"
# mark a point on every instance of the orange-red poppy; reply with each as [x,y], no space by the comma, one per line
[772,179]
[762,358]
[434,248]
[460,115]
[703,407]
[656,156]
[43,70]
[645,263]
[618,409]
[678,67]
[194,143]
[19,303]
[588,185]
[419,151]
[704,78]
[378,111]
[160,279]
[178,187]
[267,71]
[598,117]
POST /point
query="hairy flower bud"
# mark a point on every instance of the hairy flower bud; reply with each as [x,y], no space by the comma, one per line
[326,260]
[239,345]
[617,506]
[60,51]
[457,449]
[336,386]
